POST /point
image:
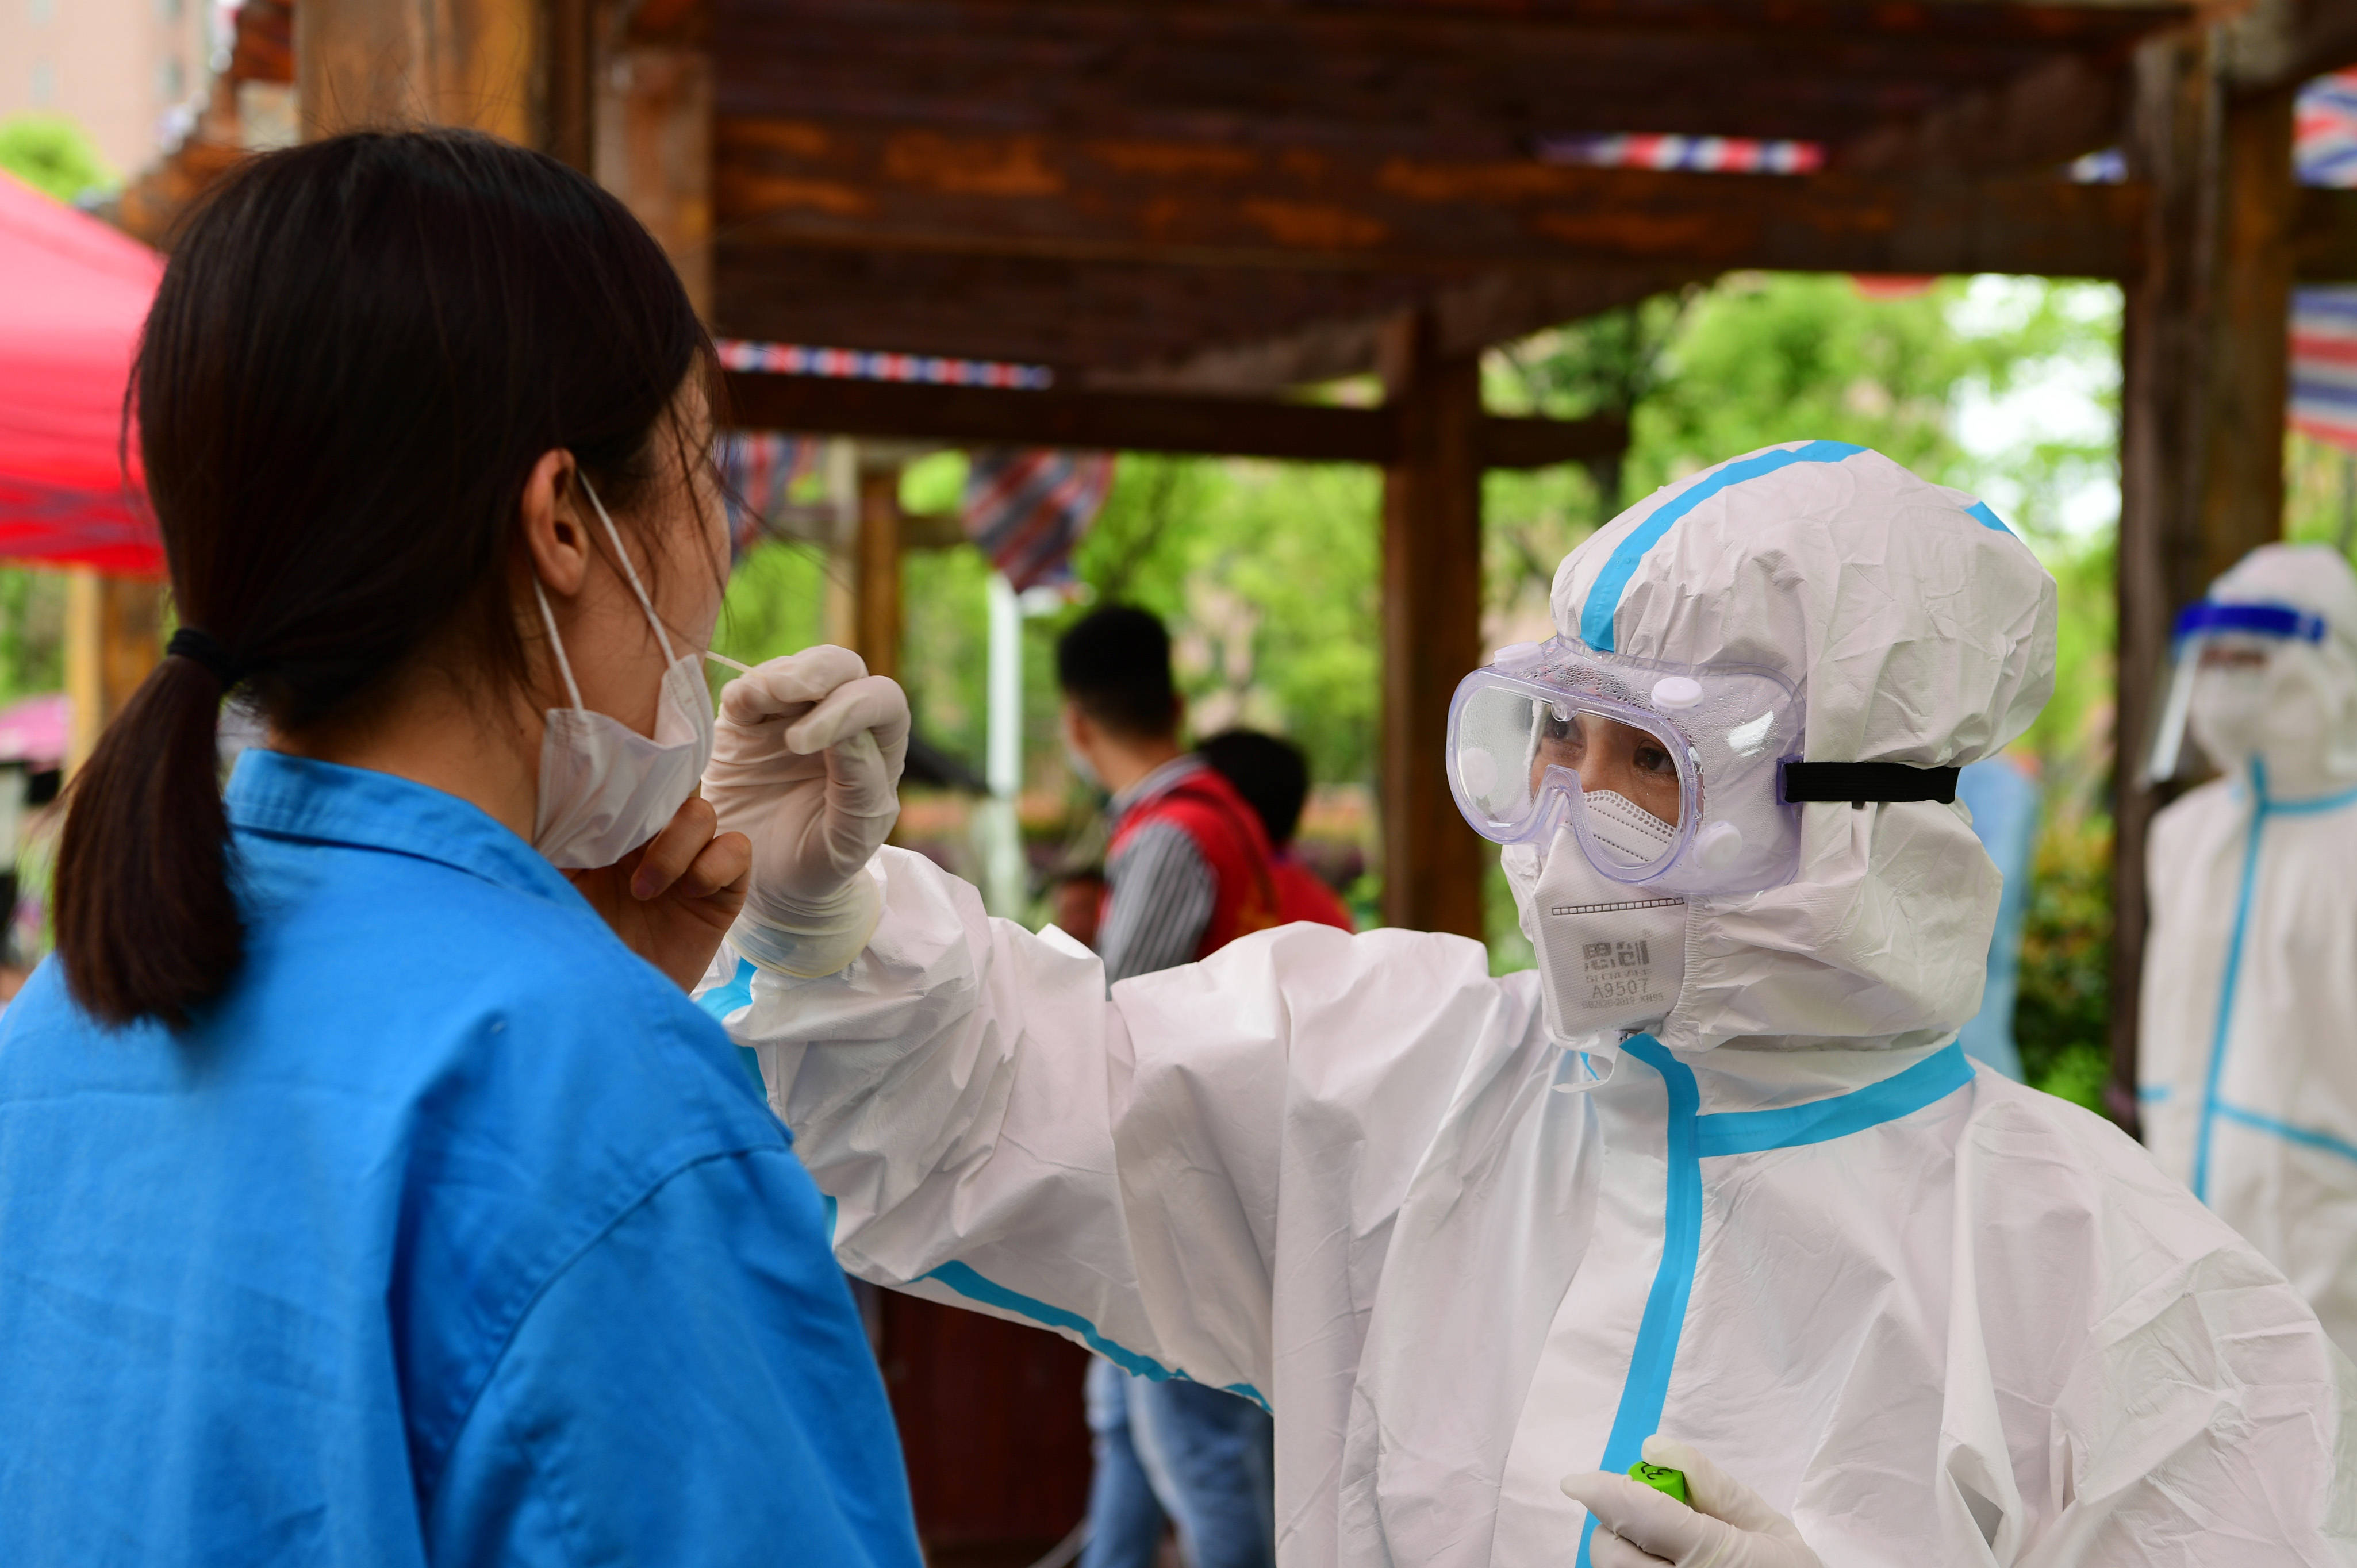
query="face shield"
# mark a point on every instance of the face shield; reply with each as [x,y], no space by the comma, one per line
[1666,775]
[2221,655]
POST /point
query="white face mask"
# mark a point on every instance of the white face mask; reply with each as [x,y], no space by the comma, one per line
[604,789]
[1611,956]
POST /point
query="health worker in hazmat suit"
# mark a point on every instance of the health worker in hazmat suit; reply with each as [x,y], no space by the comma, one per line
[1714,1180]
[2248,1041]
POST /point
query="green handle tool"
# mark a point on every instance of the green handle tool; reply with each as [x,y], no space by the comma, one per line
[1662,1478]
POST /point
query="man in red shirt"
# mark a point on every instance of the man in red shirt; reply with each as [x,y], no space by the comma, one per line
[1189,870]
[1271,773]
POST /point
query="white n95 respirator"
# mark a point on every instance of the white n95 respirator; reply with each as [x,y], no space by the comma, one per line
[1611,956]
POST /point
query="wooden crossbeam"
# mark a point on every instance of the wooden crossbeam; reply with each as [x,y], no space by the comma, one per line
[1473,78]
[868,186]
[2059,110]
[2283,43]
[1465,318]
[1067,313]
[1137,422]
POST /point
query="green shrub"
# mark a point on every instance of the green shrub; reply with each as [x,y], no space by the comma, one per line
[2062,1018]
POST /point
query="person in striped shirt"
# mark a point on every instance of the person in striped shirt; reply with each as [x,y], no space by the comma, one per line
[1188,871]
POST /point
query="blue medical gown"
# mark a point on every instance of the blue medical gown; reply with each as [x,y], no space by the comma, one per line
[453,1233]
[2004,804]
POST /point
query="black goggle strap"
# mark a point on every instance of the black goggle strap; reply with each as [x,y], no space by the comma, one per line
[1858,782]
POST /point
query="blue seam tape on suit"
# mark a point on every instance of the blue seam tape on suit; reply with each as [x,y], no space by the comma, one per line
[2306,1137]
[1689,1139]
[1647,1387]
[1936,1077]
[2229,982]
[722,999]
[962,1279]
[2212,1107]
[1604,594]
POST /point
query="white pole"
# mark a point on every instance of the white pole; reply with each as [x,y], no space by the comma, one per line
[1005,767]
[999,833]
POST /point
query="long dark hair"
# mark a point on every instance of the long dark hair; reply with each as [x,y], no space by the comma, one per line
[359,350]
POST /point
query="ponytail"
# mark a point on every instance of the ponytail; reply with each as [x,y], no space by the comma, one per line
[147,925]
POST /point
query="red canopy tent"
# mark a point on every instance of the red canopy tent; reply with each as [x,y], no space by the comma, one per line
[73,292]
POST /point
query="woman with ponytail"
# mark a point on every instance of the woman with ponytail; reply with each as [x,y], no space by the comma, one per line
[364,1198]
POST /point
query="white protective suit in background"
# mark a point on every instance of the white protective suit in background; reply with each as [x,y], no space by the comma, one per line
[1934,1317]
[2248,1045]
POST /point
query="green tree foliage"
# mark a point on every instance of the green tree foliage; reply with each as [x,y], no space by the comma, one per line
[50,152]
[2063,1014]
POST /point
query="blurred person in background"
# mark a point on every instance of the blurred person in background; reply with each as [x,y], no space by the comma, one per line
[362,1198]
[1187,870]
[1272,774]
[2247,1060]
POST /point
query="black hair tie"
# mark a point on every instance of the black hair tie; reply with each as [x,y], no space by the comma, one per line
[205,649]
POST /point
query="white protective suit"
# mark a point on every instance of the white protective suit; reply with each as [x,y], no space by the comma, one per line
[1934,1317]
[2248,1049]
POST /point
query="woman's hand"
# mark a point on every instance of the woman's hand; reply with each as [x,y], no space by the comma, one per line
[671,899]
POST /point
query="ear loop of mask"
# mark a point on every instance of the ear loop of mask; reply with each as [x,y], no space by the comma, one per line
[630,573]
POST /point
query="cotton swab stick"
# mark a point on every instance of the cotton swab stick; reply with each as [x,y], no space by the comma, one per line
[723,659]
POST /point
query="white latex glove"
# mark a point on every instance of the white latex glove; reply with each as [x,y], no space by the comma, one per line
[806,762]
[1728,1527]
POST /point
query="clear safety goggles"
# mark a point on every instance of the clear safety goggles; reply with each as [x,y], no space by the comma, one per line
[2219,639]
[1667,776]
[1684,778]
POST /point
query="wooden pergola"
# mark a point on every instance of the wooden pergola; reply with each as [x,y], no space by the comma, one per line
[1186,207]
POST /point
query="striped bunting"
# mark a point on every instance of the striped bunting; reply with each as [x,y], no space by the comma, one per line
[2324,320]
[758,472]
[1028,511]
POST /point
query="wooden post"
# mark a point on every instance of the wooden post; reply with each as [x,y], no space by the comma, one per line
[517,68]
[114,637]
[1432,626]
[654,150]
[564,86]
[878,578]
[2201,425]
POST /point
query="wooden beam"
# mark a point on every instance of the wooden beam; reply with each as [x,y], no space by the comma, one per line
[2248,379]
[113,636]
[1432,628]
[566,90]
[1071,314]
[2277,44]
[2058,110]
[1466,79]
[2202,420]
[878,576]
[361,63]
[2324,234]
[917,187]
[518,69]
[1495,307]
[653,129]
[1140,422]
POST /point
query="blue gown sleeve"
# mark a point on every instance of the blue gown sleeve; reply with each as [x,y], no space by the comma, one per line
[692,1387]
